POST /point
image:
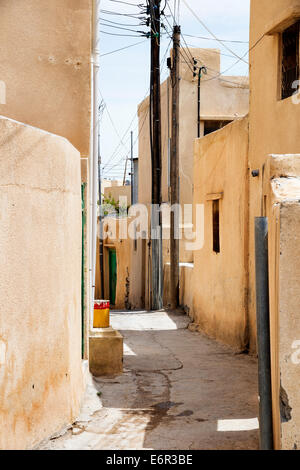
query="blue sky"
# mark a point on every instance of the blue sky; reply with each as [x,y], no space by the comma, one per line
[125,74]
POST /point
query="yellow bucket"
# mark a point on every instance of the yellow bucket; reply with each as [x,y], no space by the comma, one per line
[101,314]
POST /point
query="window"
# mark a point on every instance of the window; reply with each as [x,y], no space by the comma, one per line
[290,61]
[216,225]
[212,126]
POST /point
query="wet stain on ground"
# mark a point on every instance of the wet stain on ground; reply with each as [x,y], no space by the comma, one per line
[165,405]
[185,413]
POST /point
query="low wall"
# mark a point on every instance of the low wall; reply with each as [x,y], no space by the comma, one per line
[282,207]
[220,279]
[41,381]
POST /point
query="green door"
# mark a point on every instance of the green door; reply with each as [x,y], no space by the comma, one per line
[83,186]
[112,276]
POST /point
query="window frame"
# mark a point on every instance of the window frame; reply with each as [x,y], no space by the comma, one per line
[280,96]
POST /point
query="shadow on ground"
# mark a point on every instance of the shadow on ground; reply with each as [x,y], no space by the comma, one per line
[181,390]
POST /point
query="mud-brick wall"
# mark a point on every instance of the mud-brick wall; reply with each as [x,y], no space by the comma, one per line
[41,381]
[45,63]
[273,123]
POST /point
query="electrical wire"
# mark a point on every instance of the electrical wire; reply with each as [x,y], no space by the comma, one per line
[211,33]
[121,35]
[115,13]
[211,51]
[212,39]
[111,120]
[187,57]
[191,58]
[181,32]
[125,3]
[123,48]
[108,165]
[121,27]
[119,24]
[126,132]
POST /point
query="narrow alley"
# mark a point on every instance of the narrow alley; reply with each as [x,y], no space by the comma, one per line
[179,390]
[150,226]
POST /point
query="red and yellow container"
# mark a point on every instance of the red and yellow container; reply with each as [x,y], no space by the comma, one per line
[101,314]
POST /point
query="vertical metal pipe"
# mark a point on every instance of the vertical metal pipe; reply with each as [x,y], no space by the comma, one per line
[95,149]
[199,104]
[263,333]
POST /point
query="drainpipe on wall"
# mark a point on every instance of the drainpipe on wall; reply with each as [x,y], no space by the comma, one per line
[95,60]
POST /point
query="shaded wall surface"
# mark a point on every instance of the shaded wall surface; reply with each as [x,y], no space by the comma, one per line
[119,237]
[220,280]
[45,65]
[41,382]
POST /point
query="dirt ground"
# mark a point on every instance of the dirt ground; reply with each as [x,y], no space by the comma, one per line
[179,390]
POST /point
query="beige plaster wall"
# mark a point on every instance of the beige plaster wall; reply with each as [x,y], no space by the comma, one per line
[41,381]
[130,259]
[224,98]
[220,280]
[274,124]
[45,64]
[118,191]
[282,194]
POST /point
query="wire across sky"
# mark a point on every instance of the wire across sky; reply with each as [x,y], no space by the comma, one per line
[121,56]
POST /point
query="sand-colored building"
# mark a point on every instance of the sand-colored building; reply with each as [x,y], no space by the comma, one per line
[121,285]
[222,100]
[118,193]
[248,168]
[274,125]
[45,73]
[107,183]
[46,65]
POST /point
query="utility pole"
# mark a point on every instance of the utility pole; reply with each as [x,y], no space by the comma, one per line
[174,173]
[125,171]
[155,142]
[201,70]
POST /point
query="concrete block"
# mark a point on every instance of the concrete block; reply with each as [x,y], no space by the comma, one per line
[105,352]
